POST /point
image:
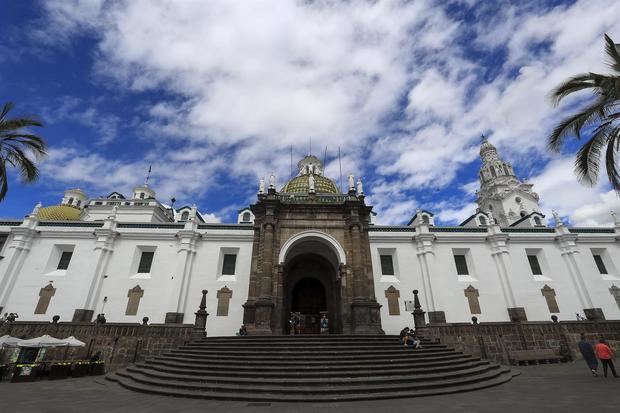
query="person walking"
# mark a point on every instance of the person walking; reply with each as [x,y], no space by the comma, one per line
[587,351]
[605,354]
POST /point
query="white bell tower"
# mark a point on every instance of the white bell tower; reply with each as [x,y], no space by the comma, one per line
[501,192]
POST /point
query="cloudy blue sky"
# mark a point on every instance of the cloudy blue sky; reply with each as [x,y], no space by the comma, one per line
[213,94]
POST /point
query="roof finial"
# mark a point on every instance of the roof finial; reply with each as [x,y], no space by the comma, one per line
[557,219]
[148,175]
[482,137]
[616,221]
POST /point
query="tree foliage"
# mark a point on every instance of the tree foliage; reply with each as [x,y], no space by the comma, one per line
[18,148]
[598,122]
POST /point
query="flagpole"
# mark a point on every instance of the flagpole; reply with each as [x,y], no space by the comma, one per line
[340,166]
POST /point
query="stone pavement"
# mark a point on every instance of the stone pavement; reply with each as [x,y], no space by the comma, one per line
[548,388]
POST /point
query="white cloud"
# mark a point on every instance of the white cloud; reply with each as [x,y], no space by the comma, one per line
[251,78]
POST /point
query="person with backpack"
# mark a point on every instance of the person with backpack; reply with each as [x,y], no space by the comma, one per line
[587,351]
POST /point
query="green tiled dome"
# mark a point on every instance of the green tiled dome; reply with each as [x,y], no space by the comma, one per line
[300,185]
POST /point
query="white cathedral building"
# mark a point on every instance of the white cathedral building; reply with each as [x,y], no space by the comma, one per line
[310,249]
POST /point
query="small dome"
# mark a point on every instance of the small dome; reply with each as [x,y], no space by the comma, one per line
[59,213]
[300,185]
[486,146]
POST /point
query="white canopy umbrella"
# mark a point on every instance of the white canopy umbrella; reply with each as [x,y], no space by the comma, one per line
[8,341]
[43,341]
[73,342]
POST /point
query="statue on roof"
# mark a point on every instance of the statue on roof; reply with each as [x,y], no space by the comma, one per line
[351,182]
[272,181]
[311,184]
[360,188]
[261,186]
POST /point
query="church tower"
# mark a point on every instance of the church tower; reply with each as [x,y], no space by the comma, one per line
[501,192]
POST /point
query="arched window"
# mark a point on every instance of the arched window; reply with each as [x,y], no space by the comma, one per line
[483,220]
[78,203]
[185,216]
[537,221]
[141,195]
[490,207]
[523,213]
[70,201]
[493,172]
[246,217]
[425,219]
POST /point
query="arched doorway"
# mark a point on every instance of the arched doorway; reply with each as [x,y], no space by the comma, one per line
[311,287]
[309,300]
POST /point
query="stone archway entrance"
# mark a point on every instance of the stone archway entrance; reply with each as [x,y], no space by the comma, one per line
[308,299]
[310,288]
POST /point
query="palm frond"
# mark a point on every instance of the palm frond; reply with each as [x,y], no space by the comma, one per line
[613,51]
[8,106]
[18,123]
[4,184]
[574,84]
[28,169]
[611,163]
[588,157]
[33,142]
[575,123]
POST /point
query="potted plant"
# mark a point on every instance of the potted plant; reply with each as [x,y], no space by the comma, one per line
[97,368]
[60,370]
[81,368]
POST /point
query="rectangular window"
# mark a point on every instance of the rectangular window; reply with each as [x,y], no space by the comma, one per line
[461,264]
[534,264]
[145,262]
[387,265]
[228,266]
[65,258]
[600,264]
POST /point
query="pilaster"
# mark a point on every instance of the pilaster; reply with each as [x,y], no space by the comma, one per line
[424,240]
[18,249]
[499,251]
[567,243]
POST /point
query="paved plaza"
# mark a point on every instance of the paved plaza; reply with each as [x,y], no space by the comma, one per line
[547,388]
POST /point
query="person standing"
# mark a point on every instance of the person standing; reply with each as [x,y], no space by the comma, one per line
[605,353]
[587,351]
[324,324]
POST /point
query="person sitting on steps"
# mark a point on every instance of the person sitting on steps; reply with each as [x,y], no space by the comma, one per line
[413,339]
[404,337]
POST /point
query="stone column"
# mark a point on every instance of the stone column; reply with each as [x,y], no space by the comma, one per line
[426,258]
[104,247]
[19,246]
[264,303]
[499,251]
[568,249]
[200,323]
[186,253]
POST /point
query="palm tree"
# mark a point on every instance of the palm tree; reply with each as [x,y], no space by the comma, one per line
[598,122]
[16,147]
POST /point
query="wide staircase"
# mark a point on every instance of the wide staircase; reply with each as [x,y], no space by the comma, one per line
[309,368]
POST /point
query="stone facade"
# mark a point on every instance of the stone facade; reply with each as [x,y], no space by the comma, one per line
[495,340]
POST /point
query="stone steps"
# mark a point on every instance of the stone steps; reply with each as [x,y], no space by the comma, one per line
[319,370]
[309,368]
[384,377]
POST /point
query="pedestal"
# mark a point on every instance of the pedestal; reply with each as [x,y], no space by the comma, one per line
[366,318]
[594,314]
[436,317]
[174,318]
[517,314]
[262,318]
[82,315]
